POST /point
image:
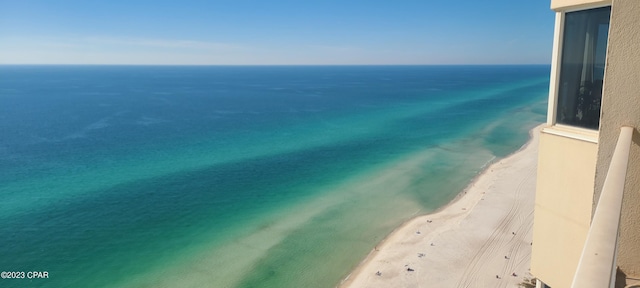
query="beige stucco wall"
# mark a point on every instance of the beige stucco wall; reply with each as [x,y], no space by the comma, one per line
[621,106]
[564,193]
[560,5]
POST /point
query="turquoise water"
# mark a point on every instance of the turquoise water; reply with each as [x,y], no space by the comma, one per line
[133,176]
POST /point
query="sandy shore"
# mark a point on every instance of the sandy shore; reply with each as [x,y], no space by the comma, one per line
[479,240]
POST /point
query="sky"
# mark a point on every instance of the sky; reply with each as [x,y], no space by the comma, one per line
[276,32]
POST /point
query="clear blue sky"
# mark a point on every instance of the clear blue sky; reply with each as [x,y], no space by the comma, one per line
[275,32]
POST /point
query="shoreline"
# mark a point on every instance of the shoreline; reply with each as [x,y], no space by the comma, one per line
[417,245]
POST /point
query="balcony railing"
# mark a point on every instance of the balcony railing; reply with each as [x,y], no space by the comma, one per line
[597,267]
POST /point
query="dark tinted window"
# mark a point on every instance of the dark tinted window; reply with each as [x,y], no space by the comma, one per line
[582,67]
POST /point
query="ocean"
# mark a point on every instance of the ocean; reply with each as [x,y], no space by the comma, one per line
[239,176]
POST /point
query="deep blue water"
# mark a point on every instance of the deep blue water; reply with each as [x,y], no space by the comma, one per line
[118,175]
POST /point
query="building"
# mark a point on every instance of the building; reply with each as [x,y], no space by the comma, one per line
[587,211]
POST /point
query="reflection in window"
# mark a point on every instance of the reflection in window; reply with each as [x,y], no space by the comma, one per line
[582,67]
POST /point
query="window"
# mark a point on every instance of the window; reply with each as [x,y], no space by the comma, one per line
[584,52]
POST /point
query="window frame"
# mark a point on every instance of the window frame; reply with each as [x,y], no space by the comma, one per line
[575,132]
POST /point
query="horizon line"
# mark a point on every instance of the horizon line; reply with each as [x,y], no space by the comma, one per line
[265,65]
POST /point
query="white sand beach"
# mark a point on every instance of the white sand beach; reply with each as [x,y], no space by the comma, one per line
[481,239]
